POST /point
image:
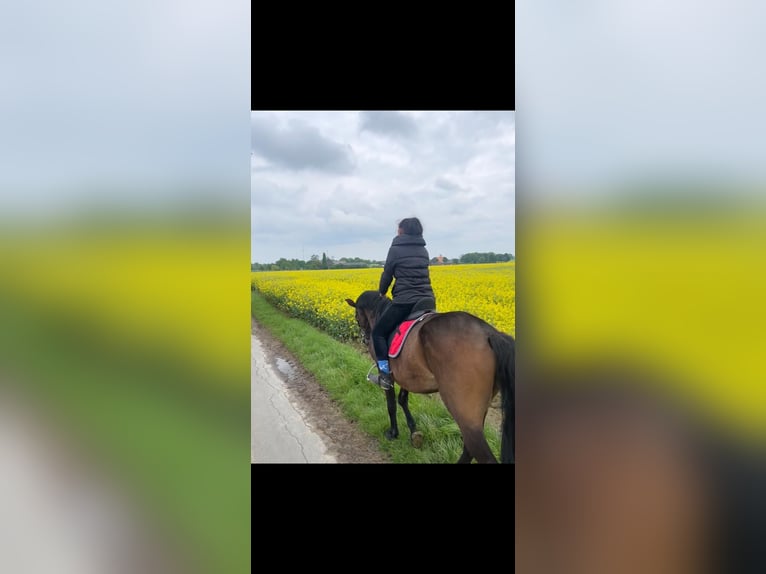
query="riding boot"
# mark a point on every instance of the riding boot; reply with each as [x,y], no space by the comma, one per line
[383,379]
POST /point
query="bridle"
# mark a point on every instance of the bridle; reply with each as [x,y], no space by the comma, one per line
[366,334]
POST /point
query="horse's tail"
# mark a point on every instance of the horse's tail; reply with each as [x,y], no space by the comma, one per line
[504,348]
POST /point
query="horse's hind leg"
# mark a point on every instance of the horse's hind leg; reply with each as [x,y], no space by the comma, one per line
[392,432]
[416,438]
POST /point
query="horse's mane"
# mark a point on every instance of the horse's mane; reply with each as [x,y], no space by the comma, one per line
[370,300]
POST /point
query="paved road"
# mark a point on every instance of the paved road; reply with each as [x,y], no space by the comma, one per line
[279,432]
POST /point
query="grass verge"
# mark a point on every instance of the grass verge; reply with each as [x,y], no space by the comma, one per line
[342,370]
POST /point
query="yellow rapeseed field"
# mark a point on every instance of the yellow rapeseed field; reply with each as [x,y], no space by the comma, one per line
[319,297]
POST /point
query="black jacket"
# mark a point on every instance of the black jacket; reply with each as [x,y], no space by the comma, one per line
[407,261]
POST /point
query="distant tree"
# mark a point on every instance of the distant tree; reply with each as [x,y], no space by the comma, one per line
[487,257]
[325,262]
[314,262]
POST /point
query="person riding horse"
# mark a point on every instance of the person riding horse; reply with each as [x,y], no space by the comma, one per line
[407,262]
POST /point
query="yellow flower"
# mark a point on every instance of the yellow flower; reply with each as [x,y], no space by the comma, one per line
[319,297]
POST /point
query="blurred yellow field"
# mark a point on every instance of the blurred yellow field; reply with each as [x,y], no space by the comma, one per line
[319,297]
[157,292]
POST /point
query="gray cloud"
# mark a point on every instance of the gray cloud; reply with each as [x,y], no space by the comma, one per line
[265,193]
[447,185]
[388,123]
[298,146]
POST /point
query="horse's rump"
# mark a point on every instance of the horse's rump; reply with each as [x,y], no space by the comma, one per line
[456,349]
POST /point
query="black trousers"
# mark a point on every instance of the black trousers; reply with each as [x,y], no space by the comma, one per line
[391,317]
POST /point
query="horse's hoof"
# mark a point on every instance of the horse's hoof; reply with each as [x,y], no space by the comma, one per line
[391,435]
[416,439]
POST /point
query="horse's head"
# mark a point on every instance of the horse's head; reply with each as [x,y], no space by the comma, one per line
[366,309]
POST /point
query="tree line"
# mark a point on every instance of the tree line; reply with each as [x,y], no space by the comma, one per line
[486,257]
[315,262]
[324,262]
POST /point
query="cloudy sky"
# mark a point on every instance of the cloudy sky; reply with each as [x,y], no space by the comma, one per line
[134,104]
[338,182]
[617,91]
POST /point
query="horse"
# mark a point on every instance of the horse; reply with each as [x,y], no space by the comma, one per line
[460,356]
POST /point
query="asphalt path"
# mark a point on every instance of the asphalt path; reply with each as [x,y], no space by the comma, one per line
[280,432]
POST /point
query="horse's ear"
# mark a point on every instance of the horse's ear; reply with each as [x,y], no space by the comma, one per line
[350,302]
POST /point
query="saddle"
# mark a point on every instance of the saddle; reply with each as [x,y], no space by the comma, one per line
[420,311]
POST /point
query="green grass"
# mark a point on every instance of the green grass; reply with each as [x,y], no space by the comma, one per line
[342,370]
[182,456]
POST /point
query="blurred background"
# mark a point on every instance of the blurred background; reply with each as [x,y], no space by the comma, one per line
[124,249]
[641,223]
[641,219]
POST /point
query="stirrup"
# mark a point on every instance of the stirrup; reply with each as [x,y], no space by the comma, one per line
[375,378]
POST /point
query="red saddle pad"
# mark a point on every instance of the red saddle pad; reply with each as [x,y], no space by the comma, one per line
[400,335]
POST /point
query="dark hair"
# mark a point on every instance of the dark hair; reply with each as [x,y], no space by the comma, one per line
[411,226]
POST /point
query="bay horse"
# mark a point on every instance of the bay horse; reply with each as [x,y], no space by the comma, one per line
[460,356]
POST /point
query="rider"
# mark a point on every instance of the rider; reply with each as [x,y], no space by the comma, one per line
[407,262]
